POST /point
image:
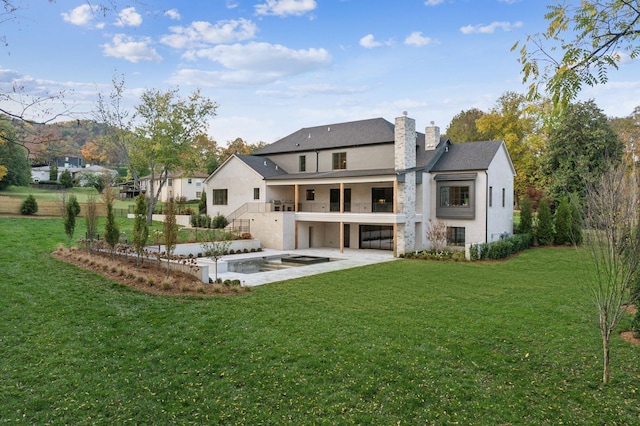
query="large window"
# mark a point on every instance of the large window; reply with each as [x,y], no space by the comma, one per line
[455,236]
[311,194]
[456,196]
[382,200]
[219,197]
[378,237]
[334,199]
[302,163]
[339,160]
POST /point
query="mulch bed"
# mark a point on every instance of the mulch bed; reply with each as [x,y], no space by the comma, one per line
[150,277]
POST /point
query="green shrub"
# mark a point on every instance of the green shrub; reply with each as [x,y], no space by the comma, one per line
[219,222]
[29,206]
[544,228]
[526,217]
[500,249]
[66,179]
[200,221]
[562,221]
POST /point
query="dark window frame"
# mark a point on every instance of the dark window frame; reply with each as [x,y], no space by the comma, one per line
[302,163]
[220,197]
[456,236]
[311,194]
[256,193]
[382,200]
[339,160]
[462,208]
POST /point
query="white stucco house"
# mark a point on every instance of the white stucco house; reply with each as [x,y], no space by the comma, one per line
[367,184]
[179,184]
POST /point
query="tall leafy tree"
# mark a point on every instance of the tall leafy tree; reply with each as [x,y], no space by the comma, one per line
[579,146]
[521,125]
[628,131]
[119,140]
[582,42]
[14,165]
[239,147]
[463,127]
[169,126]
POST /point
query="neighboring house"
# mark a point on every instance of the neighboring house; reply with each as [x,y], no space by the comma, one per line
[69,162]
[178,184]
[367,184]
[80,175]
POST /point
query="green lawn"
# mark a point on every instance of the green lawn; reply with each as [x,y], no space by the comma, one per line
[46,194]
[405,342]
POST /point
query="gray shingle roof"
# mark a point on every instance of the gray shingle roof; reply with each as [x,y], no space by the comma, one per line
[467,156]
[262,165]
[332,174]
[340,135]
[446,157]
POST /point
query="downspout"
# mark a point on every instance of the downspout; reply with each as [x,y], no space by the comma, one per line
[317,159]
[486,207]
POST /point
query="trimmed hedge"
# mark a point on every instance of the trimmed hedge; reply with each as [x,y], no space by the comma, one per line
[500,249]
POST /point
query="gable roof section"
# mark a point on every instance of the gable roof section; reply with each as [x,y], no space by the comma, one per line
[467,156]
[263,166]
[332,136]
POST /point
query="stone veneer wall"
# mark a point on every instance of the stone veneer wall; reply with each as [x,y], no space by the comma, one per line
[405,159]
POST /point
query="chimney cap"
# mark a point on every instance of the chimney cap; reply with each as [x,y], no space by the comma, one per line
[404,113]
[432,123]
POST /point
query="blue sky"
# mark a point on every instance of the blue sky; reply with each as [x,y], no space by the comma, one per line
[275,66]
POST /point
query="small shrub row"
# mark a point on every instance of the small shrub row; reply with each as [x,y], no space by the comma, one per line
[227,282]
[200,221]
[500,249]
[205,221]
[245,250]
[435,255]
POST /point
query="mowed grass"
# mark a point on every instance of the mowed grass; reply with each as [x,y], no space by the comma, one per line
[404,342]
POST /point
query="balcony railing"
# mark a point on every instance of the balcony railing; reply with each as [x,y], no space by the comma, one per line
[348,208]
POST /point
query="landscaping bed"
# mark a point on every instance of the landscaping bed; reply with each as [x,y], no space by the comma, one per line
[150,276]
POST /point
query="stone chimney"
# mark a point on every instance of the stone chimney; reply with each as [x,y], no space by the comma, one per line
[431,136]
[405,142]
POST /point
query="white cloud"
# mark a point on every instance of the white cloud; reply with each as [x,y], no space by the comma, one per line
[128,17]
[329,89]
[82,15]
[369,42]
[173,14]
[285,7]
[266,58]
[126,47]
[251,64]
[491,28]
[433,2]
[417,39]
[232,4]
[201,32]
